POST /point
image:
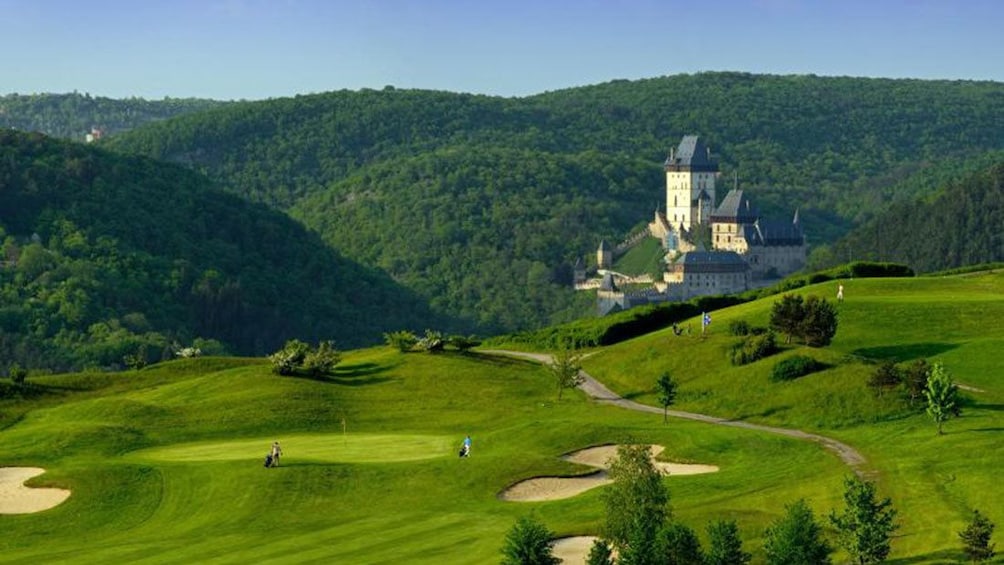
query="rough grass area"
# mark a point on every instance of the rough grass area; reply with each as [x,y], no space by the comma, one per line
[165,464]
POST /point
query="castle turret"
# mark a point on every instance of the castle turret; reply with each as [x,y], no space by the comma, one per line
[690,184]
[604,256]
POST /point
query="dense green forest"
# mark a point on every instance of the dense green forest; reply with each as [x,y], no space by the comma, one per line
[480,203]
[959,225]
[73,115]
[109,259]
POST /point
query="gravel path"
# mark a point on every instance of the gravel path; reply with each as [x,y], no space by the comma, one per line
[602,394]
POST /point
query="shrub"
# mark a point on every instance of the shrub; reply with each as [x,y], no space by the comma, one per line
[433,341]
[288,359]
[403,340]
[887,376]
[322,360]
[793,367]
[753,348]
[462,343]
[17,374]
[739,327]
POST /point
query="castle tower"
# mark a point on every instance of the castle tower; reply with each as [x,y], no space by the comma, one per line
[604,256]
[690,184]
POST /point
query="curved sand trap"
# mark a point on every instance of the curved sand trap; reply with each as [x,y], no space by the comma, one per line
[15,498]
[555,488]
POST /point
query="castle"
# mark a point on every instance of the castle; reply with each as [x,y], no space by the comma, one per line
[745,249]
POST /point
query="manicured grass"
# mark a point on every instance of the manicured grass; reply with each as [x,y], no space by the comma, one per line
[165,464]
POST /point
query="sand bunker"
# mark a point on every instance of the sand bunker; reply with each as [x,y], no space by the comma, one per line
[15,498]
[573,550]
[555,488]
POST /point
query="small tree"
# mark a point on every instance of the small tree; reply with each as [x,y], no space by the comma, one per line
[942,396]
[886,377]
[600,553]
[528,543]
[786,315]
[866,524]
[976,538]
[725,546]
[679,545]
[402,340]
[796,538]
[667,394]
[915,379]
[565,366]
[819,322]
[636,502]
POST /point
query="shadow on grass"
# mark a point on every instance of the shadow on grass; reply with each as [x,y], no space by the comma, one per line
[904,352]
[358,374]
[498,360]
[992,407]
[943,556]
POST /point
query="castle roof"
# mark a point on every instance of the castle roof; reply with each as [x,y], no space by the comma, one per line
[604,246]
[736,208]
[692,155]
[773,233]
[711,262]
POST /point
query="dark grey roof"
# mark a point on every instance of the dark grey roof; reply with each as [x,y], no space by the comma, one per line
[711,258]
[710,262]
[773,233]
[579,264]
[608,283]
[604,246]
[735,207]
[692,155]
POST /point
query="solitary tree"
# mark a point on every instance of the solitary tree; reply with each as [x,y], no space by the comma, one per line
[915,379]
[796,538]
[637,503]
[819,322]
[667,394]
[725,546]
[886,377]
[942,396]
[866,524]
[976,538]
[565,366]
[528,543]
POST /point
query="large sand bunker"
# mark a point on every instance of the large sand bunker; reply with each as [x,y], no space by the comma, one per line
[15,498]
[554,488]
[573,550]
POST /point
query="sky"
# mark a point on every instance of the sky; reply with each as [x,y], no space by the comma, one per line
[256,49]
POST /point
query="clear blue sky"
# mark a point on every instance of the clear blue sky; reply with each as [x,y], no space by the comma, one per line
[252,49]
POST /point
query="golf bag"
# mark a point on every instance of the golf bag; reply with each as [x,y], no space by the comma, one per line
[268,460]
[464,451]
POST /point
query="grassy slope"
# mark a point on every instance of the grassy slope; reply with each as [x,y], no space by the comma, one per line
[165,463]
[933,481]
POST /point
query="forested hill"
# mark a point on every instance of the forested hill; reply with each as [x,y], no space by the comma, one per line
[959,225]
[106,257]
[482,203]
[73,115]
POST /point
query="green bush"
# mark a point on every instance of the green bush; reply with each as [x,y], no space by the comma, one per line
[739,327]
[753,348]
[287,360]
[322,360]
[17,374]
[403,340]
[793,367]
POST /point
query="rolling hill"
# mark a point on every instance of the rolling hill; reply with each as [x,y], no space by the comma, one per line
[106,256]
[165,463]
[446,191]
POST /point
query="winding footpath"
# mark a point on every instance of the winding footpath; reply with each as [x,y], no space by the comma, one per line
[595,390]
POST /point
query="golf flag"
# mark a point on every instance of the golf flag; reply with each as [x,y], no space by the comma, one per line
[706,321]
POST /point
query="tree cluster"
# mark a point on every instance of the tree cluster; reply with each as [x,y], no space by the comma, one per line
[297,357]
[811,319]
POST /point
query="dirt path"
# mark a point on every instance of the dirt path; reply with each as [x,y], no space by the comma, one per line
[602,394]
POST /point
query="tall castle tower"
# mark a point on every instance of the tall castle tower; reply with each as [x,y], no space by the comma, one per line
[690,184]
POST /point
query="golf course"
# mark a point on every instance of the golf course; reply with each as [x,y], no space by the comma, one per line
[165,464]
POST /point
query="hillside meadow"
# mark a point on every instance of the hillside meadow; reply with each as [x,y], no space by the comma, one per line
[165,463]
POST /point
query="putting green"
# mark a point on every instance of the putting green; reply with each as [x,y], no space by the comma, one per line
[329,448]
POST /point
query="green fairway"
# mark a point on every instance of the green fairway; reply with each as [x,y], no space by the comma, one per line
[331,448]
[165,464]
